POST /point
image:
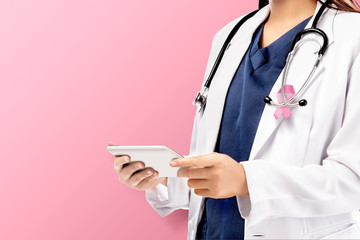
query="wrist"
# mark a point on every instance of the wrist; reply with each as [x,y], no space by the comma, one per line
[243,181]
[164,181]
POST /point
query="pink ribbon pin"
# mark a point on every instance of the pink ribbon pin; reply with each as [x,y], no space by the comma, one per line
[285,110]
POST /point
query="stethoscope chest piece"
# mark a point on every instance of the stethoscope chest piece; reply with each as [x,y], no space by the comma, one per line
[200,100]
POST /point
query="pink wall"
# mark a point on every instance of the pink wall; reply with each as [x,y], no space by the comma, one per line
[76,74]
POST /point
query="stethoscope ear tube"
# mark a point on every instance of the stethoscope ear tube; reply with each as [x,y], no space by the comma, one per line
[309,30]
[298,36]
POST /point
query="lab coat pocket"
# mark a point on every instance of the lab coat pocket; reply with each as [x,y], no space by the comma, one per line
[349,230]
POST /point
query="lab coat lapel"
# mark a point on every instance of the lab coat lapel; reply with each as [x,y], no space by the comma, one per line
[222,79]
[301,65]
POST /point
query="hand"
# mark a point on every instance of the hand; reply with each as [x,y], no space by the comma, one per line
[213,175]
[135,175]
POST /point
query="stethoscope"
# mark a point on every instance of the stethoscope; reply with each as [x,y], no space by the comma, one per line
[200,98]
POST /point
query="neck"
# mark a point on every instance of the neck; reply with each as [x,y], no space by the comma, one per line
[291,10]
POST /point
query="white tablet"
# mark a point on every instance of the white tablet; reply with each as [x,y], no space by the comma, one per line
[156,156]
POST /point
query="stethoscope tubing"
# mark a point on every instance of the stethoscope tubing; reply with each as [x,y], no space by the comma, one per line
[225,45]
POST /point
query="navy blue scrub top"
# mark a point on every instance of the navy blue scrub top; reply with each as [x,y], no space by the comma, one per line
[243,107]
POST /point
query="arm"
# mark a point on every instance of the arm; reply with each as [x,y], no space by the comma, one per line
[312,190]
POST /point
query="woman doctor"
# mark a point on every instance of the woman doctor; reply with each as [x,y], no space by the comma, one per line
[257,171]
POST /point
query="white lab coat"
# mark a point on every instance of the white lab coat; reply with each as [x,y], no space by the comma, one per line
[303,172]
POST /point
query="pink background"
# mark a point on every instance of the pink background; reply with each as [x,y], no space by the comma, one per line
[77,74]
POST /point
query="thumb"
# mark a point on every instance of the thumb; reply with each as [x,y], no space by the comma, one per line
[110,143]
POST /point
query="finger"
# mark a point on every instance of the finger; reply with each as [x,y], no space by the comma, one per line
[139,176]
[152,180]
[197,161]
[203,192]
[193,172]
[110,143]
[126,172]
[198,183]
[119,161]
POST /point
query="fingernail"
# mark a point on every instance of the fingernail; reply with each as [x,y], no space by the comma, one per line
[126,159]
[173,162]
